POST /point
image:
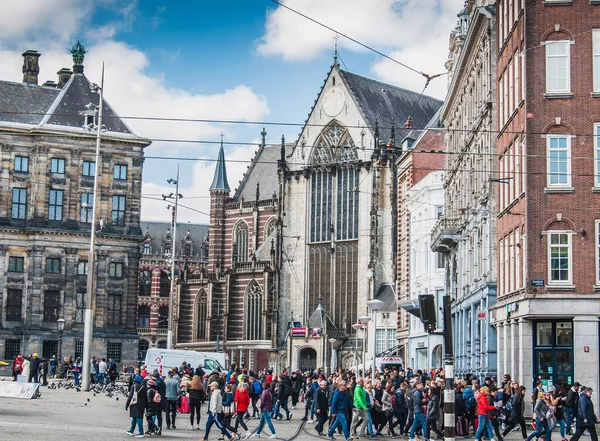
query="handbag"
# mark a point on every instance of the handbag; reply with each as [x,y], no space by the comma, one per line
[134,397]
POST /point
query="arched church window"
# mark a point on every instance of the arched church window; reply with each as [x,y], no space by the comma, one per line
[202,312]
[270,228]
[241,241]
[254,299]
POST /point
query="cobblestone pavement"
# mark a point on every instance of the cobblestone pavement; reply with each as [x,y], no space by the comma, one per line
[66,415]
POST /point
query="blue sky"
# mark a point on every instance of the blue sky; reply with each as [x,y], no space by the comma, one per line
[246,60]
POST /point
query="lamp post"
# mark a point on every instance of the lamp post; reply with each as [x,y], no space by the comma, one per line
[88,329]
[375,305]
[356,327]
[172,197]
[61,327]
[331,364]
[363,321]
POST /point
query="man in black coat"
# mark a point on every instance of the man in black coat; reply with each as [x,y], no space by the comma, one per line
[321,406]
[571,404]
[586,418]
[34,367]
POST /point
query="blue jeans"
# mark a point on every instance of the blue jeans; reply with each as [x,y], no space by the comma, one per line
[265,417]
[215,419]
[340,420]
[482,424]
[100,378]
[140,423]
[419,420]
[562,425]
[539,426]
[570,415]
[76,378]
[283,404]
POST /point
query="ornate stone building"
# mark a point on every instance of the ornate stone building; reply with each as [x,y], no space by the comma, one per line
[47,163]
[467,230]
[191,255]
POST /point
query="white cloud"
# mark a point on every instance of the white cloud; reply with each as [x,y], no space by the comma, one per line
[406,30]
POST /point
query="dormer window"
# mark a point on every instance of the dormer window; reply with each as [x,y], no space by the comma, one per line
[89,120]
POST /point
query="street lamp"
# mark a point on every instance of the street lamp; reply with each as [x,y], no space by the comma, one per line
[61,327]
[356,327]
[375,305]
[176,198]
[332,366]
[88,320]
[363,320]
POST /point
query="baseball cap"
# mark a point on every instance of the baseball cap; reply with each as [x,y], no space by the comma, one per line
[577,384]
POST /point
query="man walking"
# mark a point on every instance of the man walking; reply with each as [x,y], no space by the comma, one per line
[172,392]
[419,419]
[586,418]
[571,404]
[340,404]
[360,409]
[321,406]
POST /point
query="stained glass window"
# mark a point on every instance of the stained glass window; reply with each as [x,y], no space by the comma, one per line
[254,312]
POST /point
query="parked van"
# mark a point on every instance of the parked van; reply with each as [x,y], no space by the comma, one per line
[165,359]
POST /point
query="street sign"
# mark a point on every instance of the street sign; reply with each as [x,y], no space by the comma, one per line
[299,332]
[537,283]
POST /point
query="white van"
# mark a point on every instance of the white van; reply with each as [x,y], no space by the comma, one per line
[165,359]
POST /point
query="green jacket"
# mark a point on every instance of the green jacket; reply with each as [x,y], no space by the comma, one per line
[359,398]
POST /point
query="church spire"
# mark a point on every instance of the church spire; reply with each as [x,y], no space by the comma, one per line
[220,179]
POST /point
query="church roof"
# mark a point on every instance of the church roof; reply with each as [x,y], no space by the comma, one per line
[157,230]
[263,171]
[388,104]
[220,179]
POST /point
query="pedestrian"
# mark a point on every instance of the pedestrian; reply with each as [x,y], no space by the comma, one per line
[359,419]
[266,407]
[229,407]
[321,406]
[136,404]
[483,407]
[516,413]
[418,401]
[571,404]
[340,404]
[101,375]
[308,396]
[399,409]
[387,405]
[433,412]
[162,390]
[242,402]
[197,396]
[586,417]
[172,393]
[44,371]
[215,412]
[540,411]
[152,406]
[296,382]
[76,369]
[53,364]
[495,399]
[256,391]
[558,399]
[93,371]
[284,390]
[17,367]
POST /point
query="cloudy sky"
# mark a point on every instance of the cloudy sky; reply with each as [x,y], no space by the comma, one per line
[241,60]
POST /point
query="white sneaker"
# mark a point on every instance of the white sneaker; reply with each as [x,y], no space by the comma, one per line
[255,435]
[273,436]
[411,439]
[311,421]
[193,427]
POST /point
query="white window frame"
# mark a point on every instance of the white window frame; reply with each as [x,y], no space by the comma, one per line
[597,252]
[549,184]
[567,56]
[596,59]
[597,155]
[569,280]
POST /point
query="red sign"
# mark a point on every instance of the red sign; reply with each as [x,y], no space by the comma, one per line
[481,315]
[299,332]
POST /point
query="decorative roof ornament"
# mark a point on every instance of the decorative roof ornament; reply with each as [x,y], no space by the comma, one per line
[78,52]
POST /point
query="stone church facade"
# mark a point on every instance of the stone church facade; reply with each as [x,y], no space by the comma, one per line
[47,162]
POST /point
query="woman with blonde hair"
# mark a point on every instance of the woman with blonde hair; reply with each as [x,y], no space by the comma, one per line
[482,409]
[540,411]
[197,396]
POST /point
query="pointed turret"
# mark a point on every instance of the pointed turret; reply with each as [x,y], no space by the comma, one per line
[220,179]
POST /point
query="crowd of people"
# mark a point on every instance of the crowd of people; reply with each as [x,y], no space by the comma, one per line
[393,403]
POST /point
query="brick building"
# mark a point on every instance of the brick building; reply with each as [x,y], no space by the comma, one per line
[47,162]
[548,83]
[155,275]
[230,303]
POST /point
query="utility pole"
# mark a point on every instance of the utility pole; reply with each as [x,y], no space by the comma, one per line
[172,197]
[88,329]
[449,423]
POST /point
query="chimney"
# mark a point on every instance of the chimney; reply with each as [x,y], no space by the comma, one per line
[63,77]
[31,67]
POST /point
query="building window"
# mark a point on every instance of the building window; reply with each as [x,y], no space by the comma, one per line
[439,211]
[19,203]
[13,305]
[57,165]
[120,172]
[143,347]
[163,317]
[320,206]
[145,283]
[385,339]
[115,270]
[146,249]
[12,348]
[53,265]
[343,301]
[440,260]
[597,155]
[113,350]
[559,161]
[347,204]
[82,268]
[113,316]
[165,283]
[51,299]
[16,264]
[187,250]
[598,252]
[87,207]
[596,59]
[55,205]
[22,164]
[558,67]
[559,257]
[254,308]
[89,168]
[118,210]
[79,349]
[202,314]
[241,242]
[144,316]
[167,248]
[80,307]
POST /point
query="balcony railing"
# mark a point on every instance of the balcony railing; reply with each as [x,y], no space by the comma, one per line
[251,266]
[444,234]
[147,331]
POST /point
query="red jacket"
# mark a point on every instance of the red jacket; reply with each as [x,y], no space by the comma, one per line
[482,405]
[242,400]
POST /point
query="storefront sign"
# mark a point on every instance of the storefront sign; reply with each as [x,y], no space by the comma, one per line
[24,391]
[421,344]
[481,315]
[299,332]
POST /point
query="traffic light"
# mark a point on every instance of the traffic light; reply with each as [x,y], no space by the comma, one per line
[427,311]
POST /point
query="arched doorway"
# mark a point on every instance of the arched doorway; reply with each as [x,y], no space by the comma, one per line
[307,359]
[436,357]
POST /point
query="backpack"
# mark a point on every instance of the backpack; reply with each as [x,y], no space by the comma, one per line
[287,388]
[470,403]
[257,387]
[157,398]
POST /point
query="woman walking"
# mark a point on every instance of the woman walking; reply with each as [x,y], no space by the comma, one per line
[242,402]
[540,411]
[266,407]
[516,413]
[482,408]
[197,396]
[136,403]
